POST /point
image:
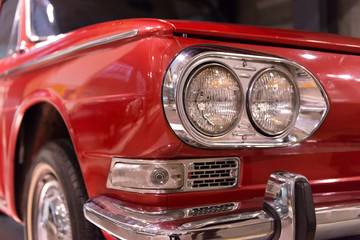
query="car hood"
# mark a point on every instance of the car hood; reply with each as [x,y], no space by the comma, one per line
[269,36]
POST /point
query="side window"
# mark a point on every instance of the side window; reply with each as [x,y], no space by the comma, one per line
[7,14]
[43,18]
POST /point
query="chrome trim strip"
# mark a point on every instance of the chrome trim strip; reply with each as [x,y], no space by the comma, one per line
[314,104]
[61,53]
[332,221]
[187,166]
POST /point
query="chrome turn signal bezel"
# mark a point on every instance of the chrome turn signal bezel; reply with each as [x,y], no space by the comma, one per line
[216,174]
[311,108]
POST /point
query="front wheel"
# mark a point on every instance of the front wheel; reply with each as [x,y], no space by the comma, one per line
[55,195]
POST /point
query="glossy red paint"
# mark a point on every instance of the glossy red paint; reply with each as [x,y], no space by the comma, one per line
[109,97]
[98,85]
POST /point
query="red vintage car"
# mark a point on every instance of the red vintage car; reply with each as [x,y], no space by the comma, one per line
[166,129]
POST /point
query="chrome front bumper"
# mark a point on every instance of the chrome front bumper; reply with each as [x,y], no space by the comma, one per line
[288,213]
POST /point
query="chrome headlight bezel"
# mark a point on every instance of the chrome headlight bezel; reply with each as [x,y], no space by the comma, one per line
[311,108]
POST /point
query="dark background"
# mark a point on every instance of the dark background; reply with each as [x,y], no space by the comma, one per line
[331,16]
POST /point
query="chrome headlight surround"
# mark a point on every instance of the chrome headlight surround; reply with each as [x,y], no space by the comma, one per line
[309,111]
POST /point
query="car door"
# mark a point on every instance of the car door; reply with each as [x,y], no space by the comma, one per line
[9,25]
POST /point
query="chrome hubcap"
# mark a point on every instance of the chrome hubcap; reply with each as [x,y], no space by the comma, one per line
[53,220]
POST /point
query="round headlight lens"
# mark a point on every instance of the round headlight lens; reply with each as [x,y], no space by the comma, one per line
[272,102]
[213,100]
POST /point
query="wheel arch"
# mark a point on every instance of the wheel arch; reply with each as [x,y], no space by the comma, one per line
[41,118]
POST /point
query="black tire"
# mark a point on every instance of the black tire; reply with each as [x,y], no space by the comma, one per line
[55,192]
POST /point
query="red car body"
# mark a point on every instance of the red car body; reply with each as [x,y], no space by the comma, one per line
[109,99]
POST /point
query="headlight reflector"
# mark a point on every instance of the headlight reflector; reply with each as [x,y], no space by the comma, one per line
[213,100]
[272,101]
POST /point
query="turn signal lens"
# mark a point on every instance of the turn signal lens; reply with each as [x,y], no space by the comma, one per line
[147,176]
[272,101]
[213,100]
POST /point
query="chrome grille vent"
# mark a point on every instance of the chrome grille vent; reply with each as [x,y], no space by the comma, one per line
[213,174]
[200,211]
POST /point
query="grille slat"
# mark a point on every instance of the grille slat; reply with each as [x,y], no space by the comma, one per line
[213,174]
[212,178]
[212,209]
[213,169]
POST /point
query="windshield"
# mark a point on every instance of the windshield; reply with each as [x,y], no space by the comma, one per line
[52,17]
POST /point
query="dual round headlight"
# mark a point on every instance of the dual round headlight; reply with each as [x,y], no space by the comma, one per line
[272,101]
[213,100]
